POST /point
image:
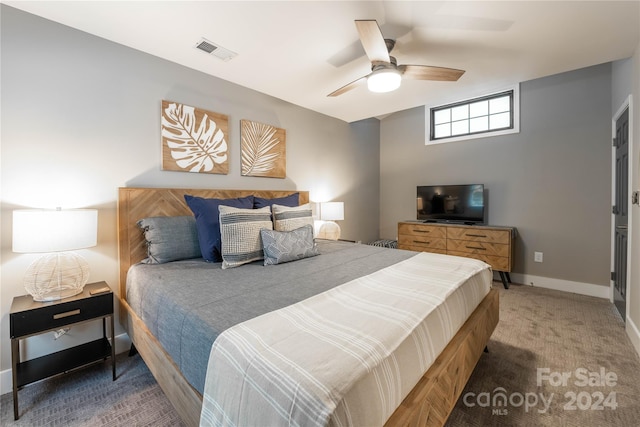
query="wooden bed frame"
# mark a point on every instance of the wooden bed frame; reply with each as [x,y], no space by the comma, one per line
[428,404]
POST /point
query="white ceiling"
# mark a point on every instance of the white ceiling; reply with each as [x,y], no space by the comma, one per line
[300,51]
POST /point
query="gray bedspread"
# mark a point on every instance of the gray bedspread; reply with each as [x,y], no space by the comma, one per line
[187,304]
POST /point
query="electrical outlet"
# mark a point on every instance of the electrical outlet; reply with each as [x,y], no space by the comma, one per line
[537,256]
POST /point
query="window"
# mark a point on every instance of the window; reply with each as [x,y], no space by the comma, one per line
[485,116]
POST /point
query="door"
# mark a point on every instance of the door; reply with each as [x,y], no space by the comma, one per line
[620,211]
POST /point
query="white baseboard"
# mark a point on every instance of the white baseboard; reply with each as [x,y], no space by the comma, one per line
[588,289]
[634,334]
[123,343]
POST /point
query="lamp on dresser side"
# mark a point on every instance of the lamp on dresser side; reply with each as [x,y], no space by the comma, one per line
[330,212]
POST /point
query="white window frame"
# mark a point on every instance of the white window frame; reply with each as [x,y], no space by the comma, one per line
[485,134]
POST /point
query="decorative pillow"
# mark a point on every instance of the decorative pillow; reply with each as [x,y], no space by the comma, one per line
[286,218]
[285,246]
[170,238]
[207,222]
[290,200]
[240,229]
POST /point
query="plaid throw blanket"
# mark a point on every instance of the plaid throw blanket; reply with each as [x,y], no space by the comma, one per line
[293,366]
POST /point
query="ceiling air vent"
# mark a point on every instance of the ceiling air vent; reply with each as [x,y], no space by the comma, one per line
[215,50]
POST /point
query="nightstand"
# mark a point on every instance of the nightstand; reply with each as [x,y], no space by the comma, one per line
[28,318]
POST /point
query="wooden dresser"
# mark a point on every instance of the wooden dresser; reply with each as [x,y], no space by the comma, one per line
[491,244]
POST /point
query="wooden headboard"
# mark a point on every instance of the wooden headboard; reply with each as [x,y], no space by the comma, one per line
[137,203]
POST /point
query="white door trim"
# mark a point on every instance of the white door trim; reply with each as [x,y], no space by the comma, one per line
[628,103]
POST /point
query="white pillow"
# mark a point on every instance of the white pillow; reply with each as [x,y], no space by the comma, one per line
[286,218]
[240,232]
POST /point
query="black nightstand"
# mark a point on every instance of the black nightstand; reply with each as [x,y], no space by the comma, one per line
[28,318]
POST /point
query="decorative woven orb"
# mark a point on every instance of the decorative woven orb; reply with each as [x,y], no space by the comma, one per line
[56,276]
[329,230]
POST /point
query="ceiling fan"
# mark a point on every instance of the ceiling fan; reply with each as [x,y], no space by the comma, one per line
[386,74]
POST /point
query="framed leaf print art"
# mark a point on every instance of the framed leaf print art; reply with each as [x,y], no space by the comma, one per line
[263,150]
[194,140]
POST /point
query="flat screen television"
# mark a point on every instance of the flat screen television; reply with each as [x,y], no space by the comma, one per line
[451,203]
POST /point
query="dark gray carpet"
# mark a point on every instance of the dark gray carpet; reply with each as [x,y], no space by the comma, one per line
[542,329]
[89,397]
[538,329]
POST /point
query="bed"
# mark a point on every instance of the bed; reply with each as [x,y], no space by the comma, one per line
[428,403]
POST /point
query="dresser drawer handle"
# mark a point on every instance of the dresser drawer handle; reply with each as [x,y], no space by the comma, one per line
[476,247]
[475,235]
[67,314]
[421,231]
[421,241]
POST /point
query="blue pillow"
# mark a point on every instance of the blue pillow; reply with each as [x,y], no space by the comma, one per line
[290,200]
[208,222]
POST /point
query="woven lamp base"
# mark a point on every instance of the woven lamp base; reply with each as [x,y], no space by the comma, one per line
[329,230]
[56,276]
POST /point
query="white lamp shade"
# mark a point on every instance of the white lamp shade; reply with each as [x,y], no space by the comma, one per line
[385,80]
[332,211]
[39,230]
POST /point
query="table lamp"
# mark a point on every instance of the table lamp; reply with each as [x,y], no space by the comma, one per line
[60,273]
[330,212]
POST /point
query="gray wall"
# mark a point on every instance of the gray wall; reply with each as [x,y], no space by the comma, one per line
[552,180]
[81,117]
[621,82]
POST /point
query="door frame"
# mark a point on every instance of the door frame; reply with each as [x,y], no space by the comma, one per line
[628,103]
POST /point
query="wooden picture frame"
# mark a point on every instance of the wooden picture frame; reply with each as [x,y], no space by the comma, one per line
[193,139]
[263,150]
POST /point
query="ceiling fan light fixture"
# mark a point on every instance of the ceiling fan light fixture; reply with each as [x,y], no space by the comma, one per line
[384,80]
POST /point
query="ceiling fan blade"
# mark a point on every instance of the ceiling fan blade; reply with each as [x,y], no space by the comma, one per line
[372,40]
[427,72]
[348,87]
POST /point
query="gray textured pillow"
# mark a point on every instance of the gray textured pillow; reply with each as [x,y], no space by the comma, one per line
[285,246]
[170,238]
[240,231]
[286,218]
